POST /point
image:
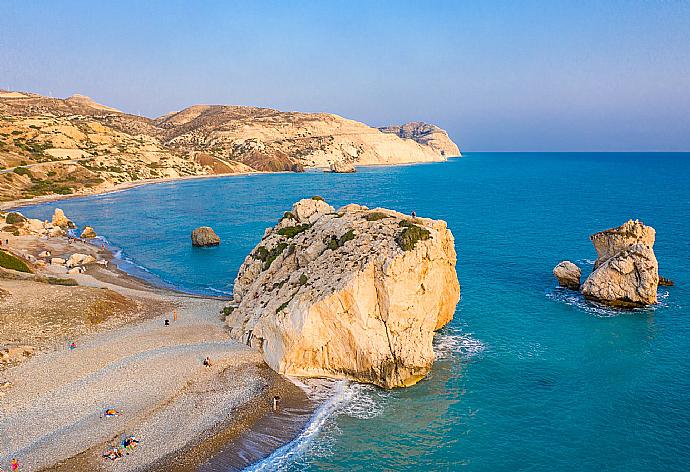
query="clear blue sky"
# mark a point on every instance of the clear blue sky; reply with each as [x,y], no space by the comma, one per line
[513,75]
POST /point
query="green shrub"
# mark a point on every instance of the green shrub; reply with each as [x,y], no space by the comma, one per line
[316,197]
[61,281]
[405,224]
[292,231]
[334,243]
[266,256]
[408,238]
[282,307]
[227,310]
[13,218]
[375,216]
[288,215]
[303,279]
[22,171]
[8,261]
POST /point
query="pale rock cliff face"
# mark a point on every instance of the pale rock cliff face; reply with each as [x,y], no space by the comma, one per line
[627,272]
[568,275]
[426,134]
[610,242]
[333,294]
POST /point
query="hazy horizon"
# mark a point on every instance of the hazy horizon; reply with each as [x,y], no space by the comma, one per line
[538,76]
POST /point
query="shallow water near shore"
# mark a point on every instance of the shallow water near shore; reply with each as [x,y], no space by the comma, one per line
[529,376]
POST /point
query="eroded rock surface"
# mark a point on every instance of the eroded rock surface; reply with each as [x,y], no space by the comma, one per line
[88,233]
[568,275]
[626,273]
[205,236]
[334,294]
[342,167]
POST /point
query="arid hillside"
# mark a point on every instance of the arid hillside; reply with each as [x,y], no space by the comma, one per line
[75,145]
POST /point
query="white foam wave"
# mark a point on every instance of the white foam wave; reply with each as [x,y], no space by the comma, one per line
[448,345]
[290,452]
[576,299]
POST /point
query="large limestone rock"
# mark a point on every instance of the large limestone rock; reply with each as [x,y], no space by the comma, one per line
[60,220]
[628,279]
[340,167]
[78,259]
[568,275]
[612,241]
[626,273]
[88,233]
[335,295]
[205,236]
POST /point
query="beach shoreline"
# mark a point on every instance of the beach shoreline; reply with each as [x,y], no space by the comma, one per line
[235,408]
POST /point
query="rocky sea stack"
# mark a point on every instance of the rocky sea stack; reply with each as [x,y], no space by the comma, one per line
[568,275]
[626,272]
[353,293]
[205,236]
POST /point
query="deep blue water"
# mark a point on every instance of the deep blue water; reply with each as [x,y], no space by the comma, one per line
[531,377]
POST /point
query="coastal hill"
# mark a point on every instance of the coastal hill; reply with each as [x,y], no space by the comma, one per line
[75,145]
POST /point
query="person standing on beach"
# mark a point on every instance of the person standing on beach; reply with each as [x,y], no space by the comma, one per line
[14,465]
[174,315]
[276,399]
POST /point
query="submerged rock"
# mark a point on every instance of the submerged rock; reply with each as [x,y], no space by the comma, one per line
[88,233]
[205,236]
[626,273]
[665,282]
[568,275]
[328,294]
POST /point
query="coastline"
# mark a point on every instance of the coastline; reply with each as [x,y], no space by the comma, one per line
[15,204]
[243,390]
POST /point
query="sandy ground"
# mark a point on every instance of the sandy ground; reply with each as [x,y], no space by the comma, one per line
[52,404]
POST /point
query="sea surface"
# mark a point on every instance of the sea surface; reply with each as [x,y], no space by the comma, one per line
[529,376]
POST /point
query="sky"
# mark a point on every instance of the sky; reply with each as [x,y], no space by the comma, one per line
[497,75]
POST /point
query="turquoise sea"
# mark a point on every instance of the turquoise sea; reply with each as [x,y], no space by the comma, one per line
[529,376]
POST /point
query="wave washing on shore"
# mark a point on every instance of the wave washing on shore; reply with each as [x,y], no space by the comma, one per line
[352,400]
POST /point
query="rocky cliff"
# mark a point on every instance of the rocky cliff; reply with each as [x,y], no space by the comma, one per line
[426,134]
[63,146]
[353,293]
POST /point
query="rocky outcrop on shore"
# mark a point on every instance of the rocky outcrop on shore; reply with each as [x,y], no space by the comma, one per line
[353,293]
[342,168]
[60,220]
[205,236]
[568,275]
[626,272]
[88,233]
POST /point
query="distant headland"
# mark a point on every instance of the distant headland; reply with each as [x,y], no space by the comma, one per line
[51,146]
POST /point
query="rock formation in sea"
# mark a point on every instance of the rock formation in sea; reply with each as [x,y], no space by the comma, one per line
[88,233]
[205,236]
[663,281]
[568,275]
[626,272]
[340,167]
[353,293]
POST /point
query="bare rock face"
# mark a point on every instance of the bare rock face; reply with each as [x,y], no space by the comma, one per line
[78,259]
[628,279]
[626,273]
[568,275]
[88,233]
[334,294]
[205,236]
[612,241]
[342,168]
[426,134]
[61,221]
